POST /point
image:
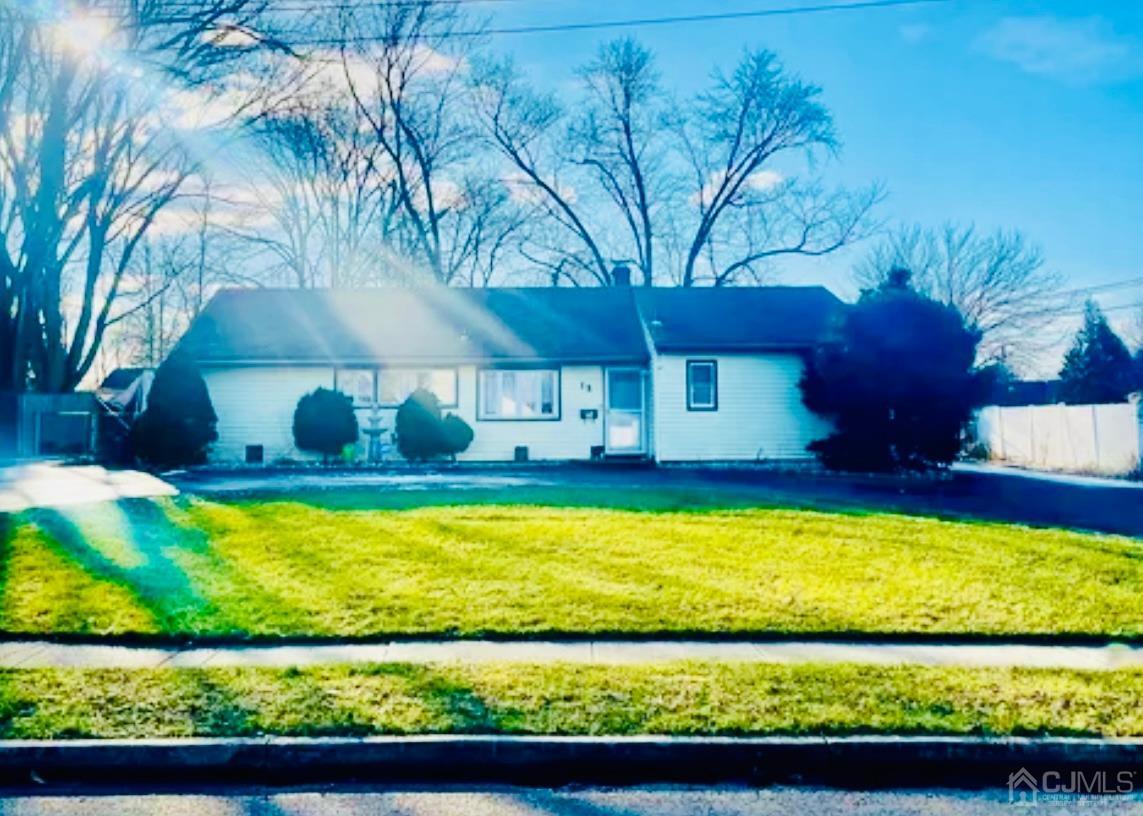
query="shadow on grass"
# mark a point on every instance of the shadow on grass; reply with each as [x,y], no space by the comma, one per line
[130,544]
[54,705]
[220,713]
[454,707]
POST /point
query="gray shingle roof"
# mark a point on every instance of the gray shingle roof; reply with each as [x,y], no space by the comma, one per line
[748,318]
[423,325]
[441,325]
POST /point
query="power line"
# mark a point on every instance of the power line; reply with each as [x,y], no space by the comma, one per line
[595,25]
[1128,283]
[318,5]
[1121,307]
[588,25]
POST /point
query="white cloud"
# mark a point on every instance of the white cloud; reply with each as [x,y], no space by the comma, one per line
[1077,50]
[760,181]
[914,33]
[447,194]
[765,180]
[204,108]
[333,73]
[523,191]
[430,61]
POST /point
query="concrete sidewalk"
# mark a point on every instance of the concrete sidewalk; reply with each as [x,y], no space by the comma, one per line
[47,654]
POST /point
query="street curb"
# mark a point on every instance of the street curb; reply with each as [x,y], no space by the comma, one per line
[863,760]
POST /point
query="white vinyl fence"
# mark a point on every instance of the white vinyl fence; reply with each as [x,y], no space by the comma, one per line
[1071,438]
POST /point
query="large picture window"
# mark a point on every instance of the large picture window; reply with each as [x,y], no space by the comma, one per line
[396,384]
[519,394]
[702,385]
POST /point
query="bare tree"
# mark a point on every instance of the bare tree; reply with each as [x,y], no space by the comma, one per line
[747,212]
[327,191]
[634,158]
[405,76]
[614,138]
[88,164]
[169,281]
[618,136]
[998,281]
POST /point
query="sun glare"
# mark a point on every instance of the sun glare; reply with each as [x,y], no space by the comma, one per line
[82,33]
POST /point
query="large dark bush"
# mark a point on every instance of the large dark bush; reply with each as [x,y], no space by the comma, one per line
[423,434]
[1098,367]
[324,422]
[898,381]
[179,424]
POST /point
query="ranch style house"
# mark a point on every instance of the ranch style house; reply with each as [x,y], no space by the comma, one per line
[559,374]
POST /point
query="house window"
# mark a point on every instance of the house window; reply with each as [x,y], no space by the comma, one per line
[702,385]
[519,394]
[357,384]
[396,384]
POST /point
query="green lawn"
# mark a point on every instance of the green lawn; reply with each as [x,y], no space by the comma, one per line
[278,568]
[679,698]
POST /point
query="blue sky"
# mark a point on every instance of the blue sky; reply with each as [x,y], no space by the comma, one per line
[1003,113]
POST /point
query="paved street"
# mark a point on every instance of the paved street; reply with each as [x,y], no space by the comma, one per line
[538,802]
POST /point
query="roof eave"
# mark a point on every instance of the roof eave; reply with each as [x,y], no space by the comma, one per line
[735,348]
[284,362]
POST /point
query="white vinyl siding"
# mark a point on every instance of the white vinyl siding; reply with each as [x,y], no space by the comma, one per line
[255,406]
[759,415]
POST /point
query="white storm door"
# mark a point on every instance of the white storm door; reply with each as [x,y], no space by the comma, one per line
[624,424]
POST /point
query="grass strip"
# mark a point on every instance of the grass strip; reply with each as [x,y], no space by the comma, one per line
[685,698]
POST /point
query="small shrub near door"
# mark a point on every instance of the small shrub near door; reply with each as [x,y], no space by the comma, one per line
[324,423]
[179,423]
[422,433]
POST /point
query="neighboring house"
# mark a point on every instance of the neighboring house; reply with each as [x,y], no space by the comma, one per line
[539,373]
[123,392]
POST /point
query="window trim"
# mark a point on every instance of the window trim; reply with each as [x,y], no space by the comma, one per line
[713,406]
[558,397]
[455,384]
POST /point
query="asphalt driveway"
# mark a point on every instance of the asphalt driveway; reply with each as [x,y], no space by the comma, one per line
[983,493]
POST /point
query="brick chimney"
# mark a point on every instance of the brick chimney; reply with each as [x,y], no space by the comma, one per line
[621,275]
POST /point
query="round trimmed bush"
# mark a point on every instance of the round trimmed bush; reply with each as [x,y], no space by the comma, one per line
[324,422]
[423,434]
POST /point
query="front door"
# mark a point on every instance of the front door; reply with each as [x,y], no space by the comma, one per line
[624,423]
